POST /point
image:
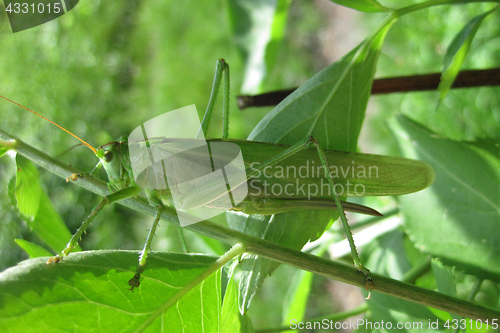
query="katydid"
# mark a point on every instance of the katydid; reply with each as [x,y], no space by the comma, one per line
[272,175]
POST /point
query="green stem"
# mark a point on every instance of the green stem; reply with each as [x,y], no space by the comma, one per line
[409,277]
[182,239]
[275,252]
[418,270]
[413,8]
[475,289]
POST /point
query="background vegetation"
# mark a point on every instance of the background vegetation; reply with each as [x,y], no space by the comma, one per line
[105,68]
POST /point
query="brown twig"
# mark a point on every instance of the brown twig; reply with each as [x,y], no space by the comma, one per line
[465,79]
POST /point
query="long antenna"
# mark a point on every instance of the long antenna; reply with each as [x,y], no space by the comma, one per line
[50,121]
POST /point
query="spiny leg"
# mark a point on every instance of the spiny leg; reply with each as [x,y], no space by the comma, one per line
[369,285]
[155,200]
[77,176]
[143,257]
[221,70]
[295,149]
[109,199]
[225,103]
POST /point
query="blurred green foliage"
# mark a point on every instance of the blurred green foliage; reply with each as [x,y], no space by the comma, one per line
[103,69]
[416,45]
[106,67]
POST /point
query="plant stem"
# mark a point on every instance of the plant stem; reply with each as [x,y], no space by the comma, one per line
[413,8]
[418,270]
[275,252]
[423,82]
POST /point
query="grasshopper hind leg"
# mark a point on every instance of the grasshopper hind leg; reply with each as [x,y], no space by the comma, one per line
[369,285]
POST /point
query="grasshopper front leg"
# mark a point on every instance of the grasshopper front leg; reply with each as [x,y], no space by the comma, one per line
[109,199]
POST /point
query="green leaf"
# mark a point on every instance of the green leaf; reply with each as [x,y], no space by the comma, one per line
[46,223]
[87,291]
[295,303]
[456,219]
[230,313]
[457,51]
[445,281]
[445,278]
[367,6]
[330,106]
[3,151]
[28,187]
[396,310]
[5,146]
[277,35]
[387,257]
[33,250]
[258,28]
[246,324]
[49,226]
[288,229]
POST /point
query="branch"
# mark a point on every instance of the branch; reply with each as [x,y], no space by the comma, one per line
[425,82]
[279,253]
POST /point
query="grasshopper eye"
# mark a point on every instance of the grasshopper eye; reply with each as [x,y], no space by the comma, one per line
[108,156]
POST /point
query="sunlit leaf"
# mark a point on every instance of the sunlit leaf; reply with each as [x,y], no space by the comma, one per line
[295,303]
[230,313]
[387,257]
[87,291]
[368,6]
[331,107]
[445,278]
[33,250]
[278,30]
[456,219]
[457,51]
[445,281]
[36,209]
[288,229]
[258,28]
[28,187]
[50,227]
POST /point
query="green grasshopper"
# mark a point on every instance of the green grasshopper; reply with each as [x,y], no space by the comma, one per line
[265,166]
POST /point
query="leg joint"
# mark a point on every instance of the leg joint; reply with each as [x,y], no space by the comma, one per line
[312,140]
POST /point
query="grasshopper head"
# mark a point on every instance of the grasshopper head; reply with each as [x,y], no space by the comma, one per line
[114,159]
